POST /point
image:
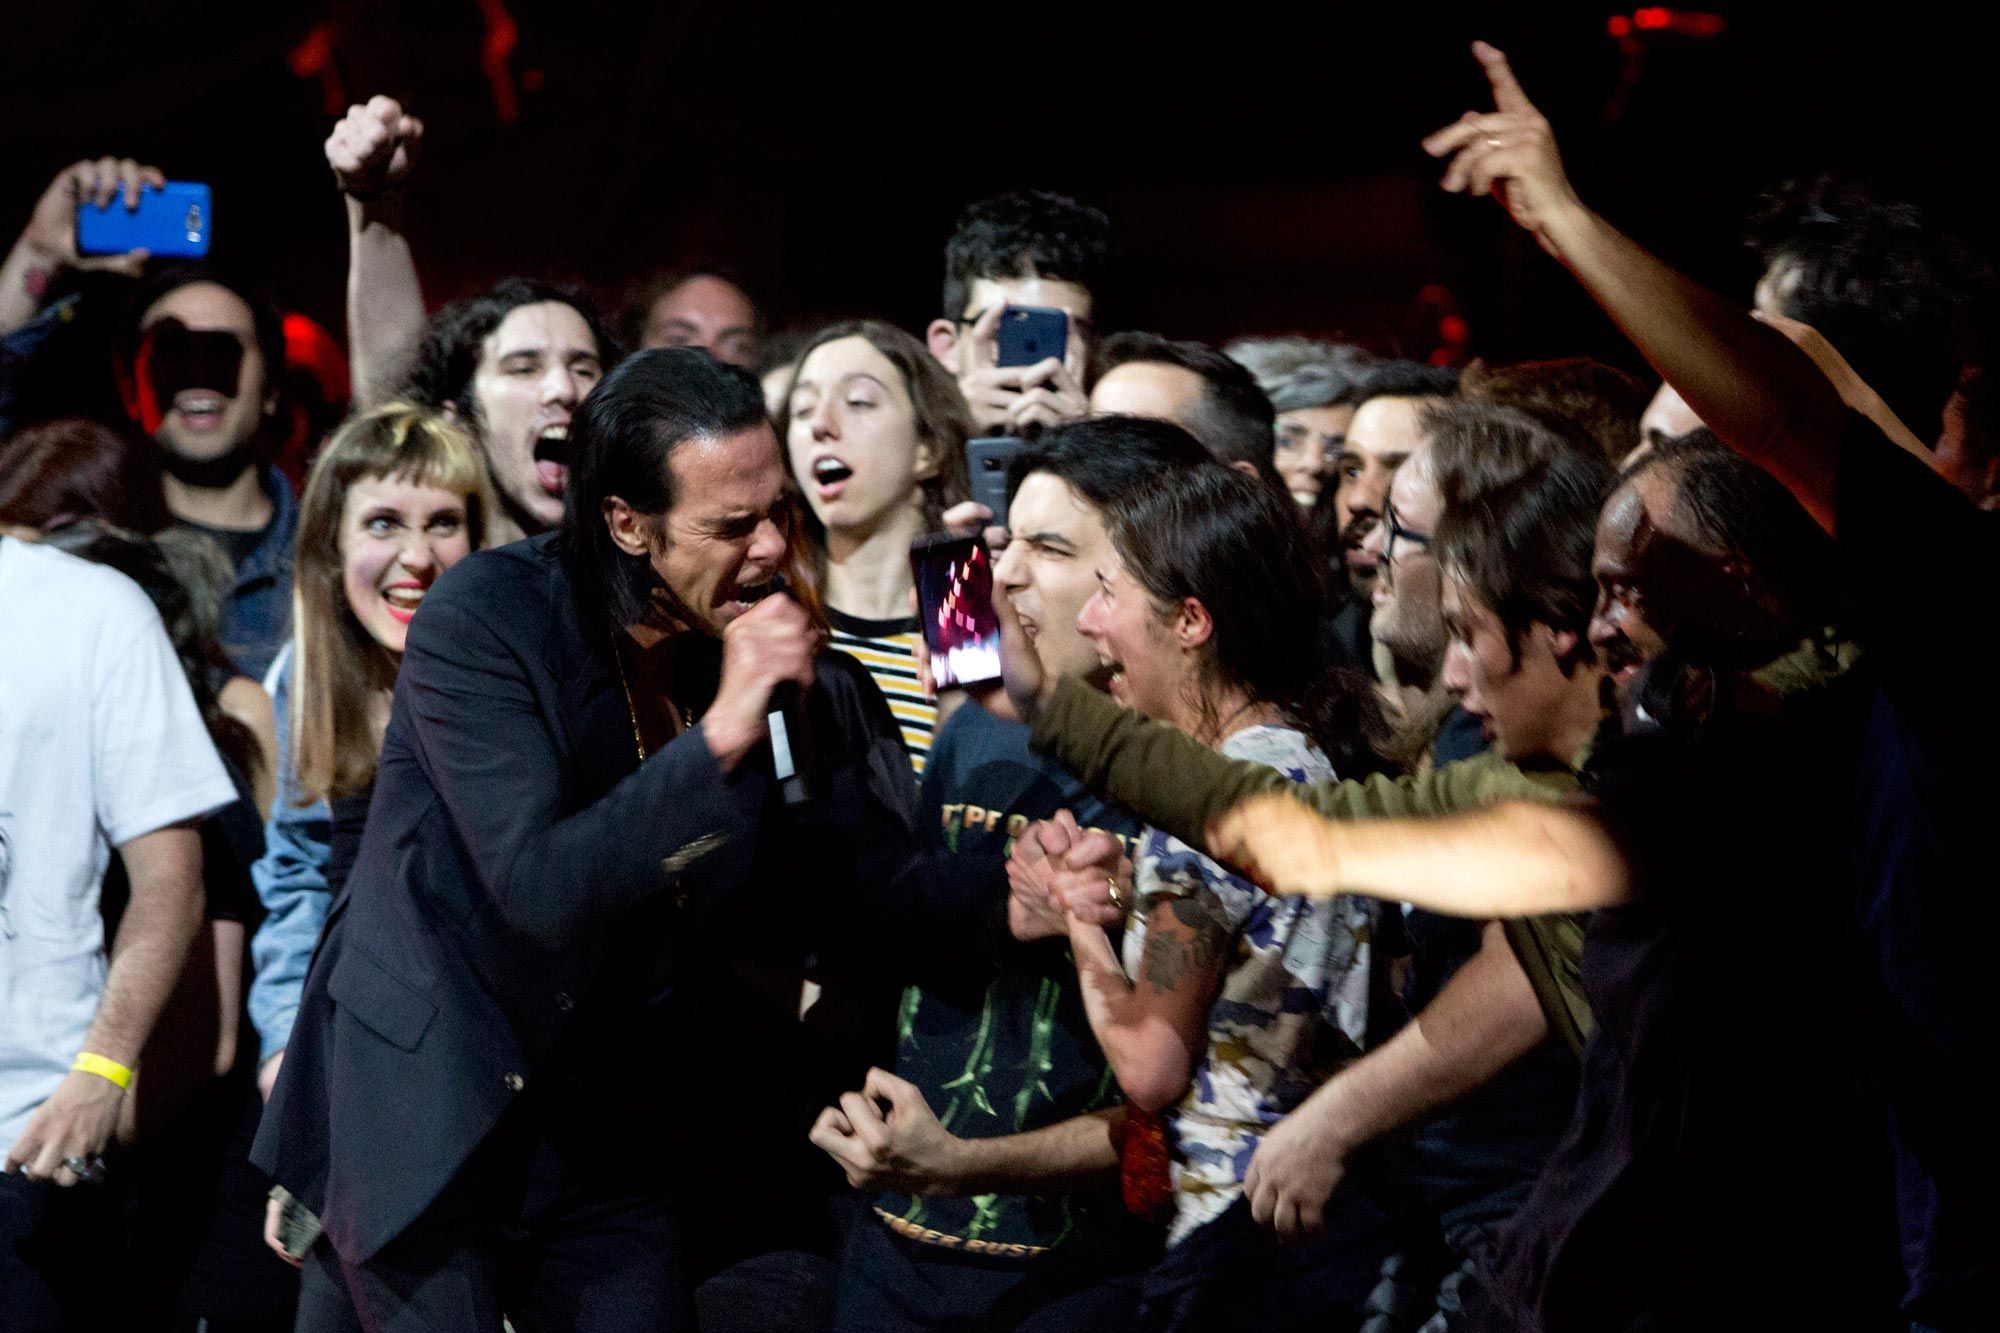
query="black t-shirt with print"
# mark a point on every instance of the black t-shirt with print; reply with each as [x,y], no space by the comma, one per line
[1000,1052]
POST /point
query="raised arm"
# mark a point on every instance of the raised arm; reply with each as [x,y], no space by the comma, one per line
[47,245]
[372,150]
[1519,858]
[1760,394]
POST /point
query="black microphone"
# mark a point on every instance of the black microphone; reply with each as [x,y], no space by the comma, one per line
[791,741]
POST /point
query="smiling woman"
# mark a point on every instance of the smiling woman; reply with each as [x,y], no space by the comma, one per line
[398,497]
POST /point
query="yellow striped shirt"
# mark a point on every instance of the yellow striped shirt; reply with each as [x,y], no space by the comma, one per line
[888,648]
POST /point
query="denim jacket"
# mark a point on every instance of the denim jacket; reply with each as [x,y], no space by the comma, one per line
[291,882]
[257,617]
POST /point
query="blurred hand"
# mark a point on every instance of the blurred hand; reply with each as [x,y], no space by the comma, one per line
[77,1120]
[373,147]
[1280,844]
[1092,882]
[51,231]
[1293,1173]
[272,1210]
[1028,686]
[267,1074]
[1509,152]
[904,1148]
[771,643]
[1048,396]
[1032,910]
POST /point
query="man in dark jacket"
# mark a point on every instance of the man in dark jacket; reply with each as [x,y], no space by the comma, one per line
[581,902]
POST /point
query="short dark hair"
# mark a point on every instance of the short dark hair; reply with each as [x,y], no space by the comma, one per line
[1101,458]
[1235,421]
[1524,547]
[1403,379]
[1899,298]
[1011,235]
[1726,504]
[265,318]
[643,295]
[447,355]
[1575,392]
[622,439]
[1477,446]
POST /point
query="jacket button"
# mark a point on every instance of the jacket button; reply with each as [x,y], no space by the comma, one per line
[564,1002]
[514,1082]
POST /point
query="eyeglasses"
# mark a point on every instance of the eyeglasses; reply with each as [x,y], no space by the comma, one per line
[1393,530]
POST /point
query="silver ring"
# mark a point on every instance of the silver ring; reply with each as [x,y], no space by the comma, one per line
[89,1170]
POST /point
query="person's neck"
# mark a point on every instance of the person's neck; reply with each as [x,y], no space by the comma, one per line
[868,572]
[506,525]
[241,506]
[1215,716]
[1581,712]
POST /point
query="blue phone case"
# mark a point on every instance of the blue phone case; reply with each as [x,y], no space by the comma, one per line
[1031,333]
[170,222]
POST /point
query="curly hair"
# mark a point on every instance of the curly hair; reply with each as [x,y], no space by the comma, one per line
[448,354]
[1028,231]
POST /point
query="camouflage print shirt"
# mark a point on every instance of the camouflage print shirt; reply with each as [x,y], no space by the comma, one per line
[1293,1007]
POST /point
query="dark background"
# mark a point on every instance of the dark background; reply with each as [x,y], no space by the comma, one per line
[1259,162]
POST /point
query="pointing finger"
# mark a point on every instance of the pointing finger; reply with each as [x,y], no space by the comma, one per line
[1507,94]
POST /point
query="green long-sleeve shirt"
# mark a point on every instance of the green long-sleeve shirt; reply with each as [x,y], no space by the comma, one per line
[1175,783]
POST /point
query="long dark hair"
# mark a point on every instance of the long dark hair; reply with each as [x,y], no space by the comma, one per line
[1235,544]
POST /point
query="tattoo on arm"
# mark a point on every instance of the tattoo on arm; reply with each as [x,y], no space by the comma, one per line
[1192,947]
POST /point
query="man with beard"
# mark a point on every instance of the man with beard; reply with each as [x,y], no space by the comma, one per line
[1922,839]
[201,375]
[1383,432]
[512,362]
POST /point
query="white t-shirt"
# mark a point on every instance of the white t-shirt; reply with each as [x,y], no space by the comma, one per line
[100,743]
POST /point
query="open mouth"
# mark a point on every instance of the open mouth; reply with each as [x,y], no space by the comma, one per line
[552,458]
[746,595]
[403,600]
[830,477]
[200,409]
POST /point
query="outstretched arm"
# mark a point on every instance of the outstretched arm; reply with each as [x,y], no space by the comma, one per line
[371,151]
[1519,858]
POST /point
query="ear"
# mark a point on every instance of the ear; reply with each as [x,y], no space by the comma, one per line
[1563,644]
[1192,625]
[451,412]
[942,338]
[629,528]
[929,458]
[1246,467]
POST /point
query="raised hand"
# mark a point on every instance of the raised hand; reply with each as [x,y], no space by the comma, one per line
[51,231]
[1032,910]
[1510,153]
[373,147]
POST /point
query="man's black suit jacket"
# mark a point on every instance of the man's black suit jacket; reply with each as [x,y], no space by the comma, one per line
[526,886]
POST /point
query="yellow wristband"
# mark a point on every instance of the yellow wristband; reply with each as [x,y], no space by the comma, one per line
[103,1068]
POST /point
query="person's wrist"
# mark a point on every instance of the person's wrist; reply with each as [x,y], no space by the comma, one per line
[728,736]
[1566,227]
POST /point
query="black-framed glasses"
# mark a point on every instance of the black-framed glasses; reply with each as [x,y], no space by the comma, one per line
[1393,531]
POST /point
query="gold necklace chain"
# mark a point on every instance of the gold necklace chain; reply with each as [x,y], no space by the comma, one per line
[681,714]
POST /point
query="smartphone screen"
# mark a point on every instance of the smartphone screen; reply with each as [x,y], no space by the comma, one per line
[955,603]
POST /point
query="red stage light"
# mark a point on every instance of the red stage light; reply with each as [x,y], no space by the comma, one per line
[1618,26]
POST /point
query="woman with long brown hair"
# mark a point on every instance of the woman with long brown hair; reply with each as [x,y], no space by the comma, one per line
[875,429]
[398,496]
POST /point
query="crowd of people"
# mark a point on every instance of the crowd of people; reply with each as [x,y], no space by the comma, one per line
[1449,849]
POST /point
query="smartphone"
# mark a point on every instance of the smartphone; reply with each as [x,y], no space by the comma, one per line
[171,221]
[987,462]
[955,604]
[1031,333]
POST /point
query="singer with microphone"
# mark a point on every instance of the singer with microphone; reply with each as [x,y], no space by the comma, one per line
[606,947]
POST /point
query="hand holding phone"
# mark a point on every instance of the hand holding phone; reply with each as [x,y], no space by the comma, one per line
[108,182]
[1029,334]
[171,219]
